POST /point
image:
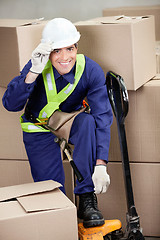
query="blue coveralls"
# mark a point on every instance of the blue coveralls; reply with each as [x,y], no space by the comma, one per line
[90,133]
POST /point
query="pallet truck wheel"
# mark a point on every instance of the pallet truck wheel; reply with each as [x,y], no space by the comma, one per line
[136,236]
[116,235]
[106,237]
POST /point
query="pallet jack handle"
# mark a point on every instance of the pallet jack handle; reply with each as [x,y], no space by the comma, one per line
[118,97]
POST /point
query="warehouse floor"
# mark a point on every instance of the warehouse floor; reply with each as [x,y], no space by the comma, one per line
[152,238]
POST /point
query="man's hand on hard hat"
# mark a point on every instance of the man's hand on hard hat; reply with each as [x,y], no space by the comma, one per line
[40,57]
[100,177]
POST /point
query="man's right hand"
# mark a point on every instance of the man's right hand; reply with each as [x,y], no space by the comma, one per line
[40,57]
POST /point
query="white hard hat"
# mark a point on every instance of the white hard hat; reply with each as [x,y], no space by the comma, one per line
[61,32]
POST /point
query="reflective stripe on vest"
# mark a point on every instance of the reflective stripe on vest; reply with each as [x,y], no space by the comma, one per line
[54,99]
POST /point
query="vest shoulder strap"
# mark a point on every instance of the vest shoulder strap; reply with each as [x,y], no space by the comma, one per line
[54,99]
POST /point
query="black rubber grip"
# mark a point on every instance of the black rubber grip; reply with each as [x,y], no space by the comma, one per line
[76,171]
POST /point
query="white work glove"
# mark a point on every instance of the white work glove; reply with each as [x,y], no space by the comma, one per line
[100,179]
[40,57]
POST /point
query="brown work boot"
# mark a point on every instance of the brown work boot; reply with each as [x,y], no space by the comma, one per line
[88,210]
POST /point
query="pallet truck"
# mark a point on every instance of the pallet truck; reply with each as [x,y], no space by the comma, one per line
[118,97]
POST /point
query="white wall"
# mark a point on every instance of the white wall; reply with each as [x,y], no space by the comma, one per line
[75,10]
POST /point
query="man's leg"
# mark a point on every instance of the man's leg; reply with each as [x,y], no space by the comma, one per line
[44,157]
[83,137]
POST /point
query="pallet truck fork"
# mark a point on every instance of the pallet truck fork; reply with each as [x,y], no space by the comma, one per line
[110,228]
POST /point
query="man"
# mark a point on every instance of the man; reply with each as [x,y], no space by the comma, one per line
[54,72]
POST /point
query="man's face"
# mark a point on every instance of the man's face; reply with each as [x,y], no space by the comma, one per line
[63,59]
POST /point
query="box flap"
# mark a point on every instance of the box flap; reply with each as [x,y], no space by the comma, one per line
[11,192]
[45,201]
[122,19]
[157,77]
[112,20]
[19,22]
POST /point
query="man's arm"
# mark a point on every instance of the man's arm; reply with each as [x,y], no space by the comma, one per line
[101,111]
[101,162]
[18,91]
[20,88]
[31,77]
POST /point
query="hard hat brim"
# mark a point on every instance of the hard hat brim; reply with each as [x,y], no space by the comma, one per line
[63,44]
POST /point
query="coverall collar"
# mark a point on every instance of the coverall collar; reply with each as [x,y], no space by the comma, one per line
[69,77]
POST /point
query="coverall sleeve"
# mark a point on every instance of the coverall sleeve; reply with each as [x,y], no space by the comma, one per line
[17,93]
[101,111]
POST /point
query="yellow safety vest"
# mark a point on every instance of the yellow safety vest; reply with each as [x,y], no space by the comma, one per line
[54,99]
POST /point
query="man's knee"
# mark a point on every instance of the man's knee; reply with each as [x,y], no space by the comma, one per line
[86,120]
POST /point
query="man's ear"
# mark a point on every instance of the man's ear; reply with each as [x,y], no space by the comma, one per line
[76,45]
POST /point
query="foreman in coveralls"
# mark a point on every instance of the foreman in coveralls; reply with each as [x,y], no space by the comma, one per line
[90,133]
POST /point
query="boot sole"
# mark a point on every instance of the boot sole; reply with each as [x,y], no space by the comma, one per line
[93,223]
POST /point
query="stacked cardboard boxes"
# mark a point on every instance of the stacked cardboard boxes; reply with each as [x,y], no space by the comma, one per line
[126,45]
[158,57]
[140,11]
[19,37]
[18,40]
[121,44]
[14,165]
[143,135]
[143,138]
[137,11]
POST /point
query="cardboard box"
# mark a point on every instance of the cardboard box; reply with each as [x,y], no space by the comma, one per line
[69,180]
[19,37]
[15,172]
[37,211]
[158,57]
[142,126]
[125,46]
[145,181]
[11,141]
[137,11]
[157,77]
